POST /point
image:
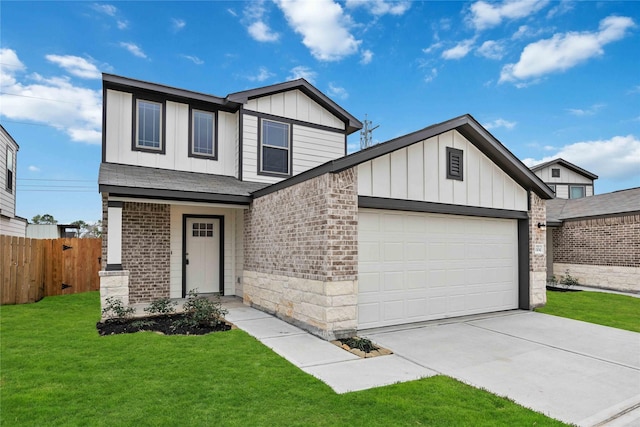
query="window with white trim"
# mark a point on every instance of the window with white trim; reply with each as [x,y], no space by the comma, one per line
[10,170]
[275,147]
[149,125]
[203,133]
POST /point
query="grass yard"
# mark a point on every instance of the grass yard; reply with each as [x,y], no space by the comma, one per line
[618,311]
[56,370]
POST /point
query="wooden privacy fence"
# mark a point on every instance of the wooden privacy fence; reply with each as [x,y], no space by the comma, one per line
[31,269]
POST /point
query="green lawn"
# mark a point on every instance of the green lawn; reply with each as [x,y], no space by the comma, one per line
[56,370]
[618,311]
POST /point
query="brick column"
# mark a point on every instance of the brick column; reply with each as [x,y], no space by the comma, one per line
[537,252]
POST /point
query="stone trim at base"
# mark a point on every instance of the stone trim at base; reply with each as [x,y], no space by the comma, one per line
[114,284]
[538,289]
[602,276]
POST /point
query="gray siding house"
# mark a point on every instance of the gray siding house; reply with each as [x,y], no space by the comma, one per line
[10,224]
[253,195]
[567,180]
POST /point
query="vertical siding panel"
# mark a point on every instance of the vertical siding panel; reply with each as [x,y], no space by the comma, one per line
[381,181]
[473,177]
[302,104]
[277,104]
[431,170]
[509,193]
[315,113]
[498,187]
[460,187]
[398,174]
[264,104]
[290,104]
[486,182]
[445,188]
[364,179]
[415,171]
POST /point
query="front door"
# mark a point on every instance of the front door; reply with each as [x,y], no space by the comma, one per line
[202,255]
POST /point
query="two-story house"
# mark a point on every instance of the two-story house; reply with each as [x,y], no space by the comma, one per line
[567,180]
[10,224]
[253,195]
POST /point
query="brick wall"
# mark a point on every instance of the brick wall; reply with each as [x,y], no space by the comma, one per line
[308,230]
[537,261]
[611,241]
[146,250]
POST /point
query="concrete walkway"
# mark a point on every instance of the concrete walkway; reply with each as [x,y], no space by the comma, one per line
[573,371]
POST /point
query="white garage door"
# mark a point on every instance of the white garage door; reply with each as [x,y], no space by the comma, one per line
[418,266]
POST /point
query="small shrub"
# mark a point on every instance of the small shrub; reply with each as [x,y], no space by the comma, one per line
[161,306]
[568,280]
[552,281]
[114,308]
[201,312]
[363,344]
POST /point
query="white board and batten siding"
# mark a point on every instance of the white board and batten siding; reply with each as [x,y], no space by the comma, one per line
[119,128]
[418,172]
[310,146]
[566,175]
[233,245]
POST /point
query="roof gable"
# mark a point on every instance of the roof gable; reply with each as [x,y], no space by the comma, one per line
[566,164]
[466,125]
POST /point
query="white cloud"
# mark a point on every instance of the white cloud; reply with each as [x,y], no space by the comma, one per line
[254,19]
[500,123]
[337,92]
[53,101]
[262,75]
[107,9]
[367,57]
[485,15]
[134,49]
[178,24]
[433,47]
[431,76]
[615,158]
[563,7]
[491,49]
[193,59]
[33,168]
[122,24]
[565,50]
[302,72]
[76,66]
[323,26]
[381,7]
[460,50]
[586,112]
[232,12]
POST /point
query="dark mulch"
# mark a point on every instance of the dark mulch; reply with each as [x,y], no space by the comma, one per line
[165,324]
[558,289]
[360,343]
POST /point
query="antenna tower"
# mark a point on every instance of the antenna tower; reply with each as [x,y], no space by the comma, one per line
[366,134]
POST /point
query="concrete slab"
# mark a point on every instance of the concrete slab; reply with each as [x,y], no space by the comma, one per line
[614,345]
[576,384]
[305,350]
[364,374]
[268,327]
[239,313]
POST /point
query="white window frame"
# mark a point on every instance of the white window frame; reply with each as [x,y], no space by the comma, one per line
[263,145]
[214,145]
[160,125]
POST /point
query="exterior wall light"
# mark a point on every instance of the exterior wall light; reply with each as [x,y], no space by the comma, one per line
[542,226]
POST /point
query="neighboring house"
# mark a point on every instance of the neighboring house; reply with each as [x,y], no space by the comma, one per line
[252,195]
[567,180]
[596,239]
[52,231]
[10,224]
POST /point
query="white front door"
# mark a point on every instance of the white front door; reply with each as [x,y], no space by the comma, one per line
[202,256]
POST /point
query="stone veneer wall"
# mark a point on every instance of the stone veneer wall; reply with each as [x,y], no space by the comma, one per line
[146,250]
[601,252]
[537,261]
[301,254]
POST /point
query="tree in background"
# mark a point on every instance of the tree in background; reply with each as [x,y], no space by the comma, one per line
[44,219]
[88,230]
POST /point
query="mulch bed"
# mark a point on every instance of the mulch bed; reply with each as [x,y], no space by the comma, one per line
[558,289]
[164,324]
[361,347]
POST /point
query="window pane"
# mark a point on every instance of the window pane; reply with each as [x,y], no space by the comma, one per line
[275,134]
[203,132]
[149,122]
[577,192]
[275,160]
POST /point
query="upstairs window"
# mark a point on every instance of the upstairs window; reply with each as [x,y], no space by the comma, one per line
[576,191]
[10,169]
[275,147]
[454,164]
[149,125]
[203,134]
[555,173]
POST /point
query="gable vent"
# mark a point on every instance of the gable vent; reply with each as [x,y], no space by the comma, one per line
[454,164]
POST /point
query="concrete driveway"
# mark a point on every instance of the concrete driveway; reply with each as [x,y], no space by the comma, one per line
[573,371]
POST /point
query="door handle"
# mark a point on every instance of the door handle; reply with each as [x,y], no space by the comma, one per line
[187,262]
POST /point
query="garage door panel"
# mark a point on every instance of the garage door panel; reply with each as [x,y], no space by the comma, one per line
[416,266]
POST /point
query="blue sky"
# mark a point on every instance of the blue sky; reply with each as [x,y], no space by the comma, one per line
[547,78]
